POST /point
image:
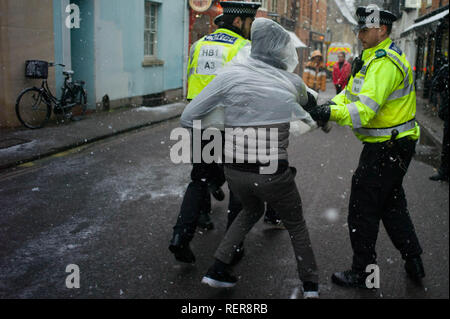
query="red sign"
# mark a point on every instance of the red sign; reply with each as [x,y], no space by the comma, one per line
[200,5]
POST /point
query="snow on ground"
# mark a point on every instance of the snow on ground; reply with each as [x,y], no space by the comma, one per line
[158,109]
[17,148]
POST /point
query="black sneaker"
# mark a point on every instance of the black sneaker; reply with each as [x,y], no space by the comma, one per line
[238,254]
[310,290]
[350,278]
[217,279]
[414,268]
[216,192]
[181,250]
[204,221]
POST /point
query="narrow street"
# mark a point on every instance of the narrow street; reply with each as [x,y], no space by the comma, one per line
[109,208]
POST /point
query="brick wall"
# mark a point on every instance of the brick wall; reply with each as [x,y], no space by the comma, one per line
[26,33]
[429,6]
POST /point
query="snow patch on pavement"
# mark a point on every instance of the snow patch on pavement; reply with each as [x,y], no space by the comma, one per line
[33,256]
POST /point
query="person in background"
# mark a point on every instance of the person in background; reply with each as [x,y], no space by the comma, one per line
[341,72]
[314,75]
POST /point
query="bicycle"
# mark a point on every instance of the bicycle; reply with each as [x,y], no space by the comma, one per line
[34,105]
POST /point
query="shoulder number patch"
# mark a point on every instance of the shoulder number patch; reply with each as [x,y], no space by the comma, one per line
[380,53]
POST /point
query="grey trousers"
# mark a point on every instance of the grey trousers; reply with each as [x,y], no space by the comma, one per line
[280,192]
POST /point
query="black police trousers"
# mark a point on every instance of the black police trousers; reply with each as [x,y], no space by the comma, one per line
[197,198]
[377,195]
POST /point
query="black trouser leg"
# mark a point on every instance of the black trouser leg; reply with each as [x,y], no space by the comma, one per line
[196,199]
[194,202]
[399,226]
[377,194]
[234,207]
[363,222]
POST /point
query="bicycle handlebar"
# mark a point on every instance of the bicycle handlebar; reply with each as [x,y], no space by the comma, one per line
[55,64]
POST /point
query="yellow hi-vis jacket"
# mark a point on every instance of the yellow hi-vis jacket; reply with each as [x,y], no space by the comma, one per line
[208,55]
[380,98]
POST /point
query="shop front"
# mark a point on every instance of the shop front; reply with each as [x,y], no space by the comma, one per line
[432,40]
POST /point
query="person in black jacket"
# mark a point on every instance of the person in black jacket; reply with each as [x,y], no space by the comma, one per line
[440,84]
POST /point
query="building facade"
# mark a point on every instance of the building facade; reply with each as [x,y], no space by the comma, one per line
[422,33]
[26,33]
[306,18]
[133,52]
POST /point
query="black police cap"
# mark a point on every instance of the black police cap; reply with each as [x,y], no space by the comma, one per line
[218,20]
[240,8]
[373,16]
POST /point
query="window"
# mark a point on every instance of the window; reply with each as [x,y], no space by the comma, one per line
[150,29]
[274,6]
[264,4]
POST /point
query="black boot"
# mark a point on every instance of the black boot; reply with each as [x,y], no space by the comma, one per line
[180,248]
[414,268]
[350,278]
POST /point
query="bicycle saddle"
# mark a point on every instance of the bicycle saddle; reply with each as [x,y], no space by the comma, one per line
[68,72]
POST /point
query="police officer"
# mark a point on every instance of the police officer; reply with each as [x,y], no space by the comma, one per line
[206,57]
[379,103]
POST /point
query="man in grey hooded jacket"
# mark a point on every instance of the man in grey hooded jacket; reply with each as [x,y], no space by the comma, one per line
[256,99]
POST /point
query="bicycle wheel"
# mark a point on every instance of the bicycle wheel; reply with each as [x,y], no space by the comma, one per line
[32,108]
[79,109]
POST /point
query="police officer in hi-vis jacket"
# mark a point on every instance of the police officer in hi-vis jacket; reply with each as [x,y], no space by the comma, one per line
[379,104]
[207,56]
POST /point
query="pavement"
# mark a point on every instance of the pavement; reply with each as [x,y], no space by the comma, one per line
[109,207]
[21,145]
[426,115]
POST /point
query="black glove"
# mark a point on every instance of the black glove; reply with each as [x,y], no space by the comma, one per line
[312,103]
[322,113]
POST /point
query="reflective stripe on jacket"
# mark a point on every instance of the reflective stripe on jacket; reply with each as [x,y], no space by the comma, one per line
[208,55]
[380,98]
